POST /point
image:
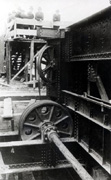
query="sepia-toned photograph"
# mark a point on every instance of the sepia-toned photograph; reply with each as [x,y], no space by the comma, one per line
[55,90]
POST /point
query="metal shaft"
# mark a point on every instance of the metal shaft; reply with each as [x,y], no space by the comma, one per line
[53,137]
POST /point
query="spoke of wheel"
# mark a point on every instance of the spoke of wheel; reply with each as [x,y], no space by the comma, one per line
[61,120]
[46,69]
[63,132]
[51,113]
[31,125]
[46,58]
[44,62]
[38,115]
[34,136]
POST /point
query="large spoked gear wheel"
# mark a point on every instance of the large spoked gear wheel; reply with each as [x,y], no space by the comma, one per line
[46,64]
[45,112]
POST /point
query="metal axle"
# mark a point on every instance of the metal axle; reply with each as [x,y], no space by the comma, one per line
[53,137]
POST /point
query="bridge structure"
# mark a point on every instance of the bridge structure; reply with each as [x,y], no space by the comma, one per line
[65,133]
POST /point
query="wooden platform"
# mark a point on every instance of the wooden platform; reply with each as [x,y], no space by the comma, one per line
[23,28]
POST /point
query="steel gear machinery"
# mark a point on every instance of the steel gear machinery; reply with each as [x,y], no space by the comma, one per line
[48,121]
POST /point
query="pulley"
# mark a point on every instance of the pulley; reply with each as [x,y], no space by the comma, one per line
[46,64]
[48,120]
[42,114]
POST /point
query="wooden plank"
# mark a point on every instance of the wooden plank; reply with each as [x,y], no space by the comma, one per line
[34,22]
[26,21]
[20,143]
[4,84]
[31,57]
[49,24]
[7,111]
[27,32]
[9,133]
[24,97]
[8,64]
[26,62]
[23,32]
[31,142]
